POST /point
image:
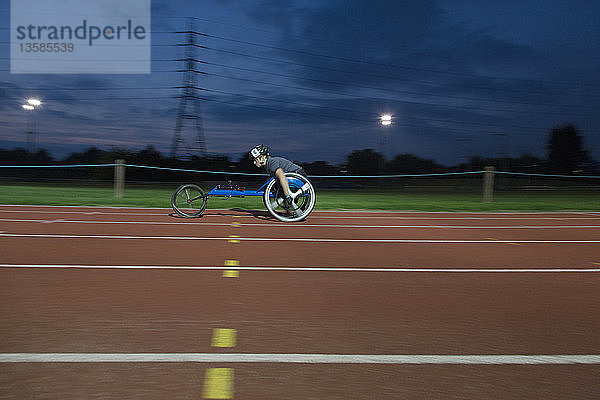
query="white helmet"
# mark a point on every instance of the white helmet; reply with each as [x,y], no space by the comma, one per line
[259,150]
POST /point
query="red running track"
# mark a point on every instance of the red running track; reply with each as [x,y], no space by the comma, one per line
[383,284]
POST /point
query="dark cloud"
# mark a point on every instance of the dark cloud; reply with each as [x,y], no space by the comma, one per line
[312,77]
[440,74]
[409,40]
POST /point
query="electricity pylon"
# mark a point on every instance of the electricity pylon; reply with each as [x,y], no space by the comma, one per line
[189,98]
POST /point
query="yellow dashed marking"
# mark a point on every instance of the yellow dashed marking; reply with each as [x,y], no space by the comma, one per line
[596,263]
[236,224]
[233,239]
[218,383]
[223,337]
[229,273]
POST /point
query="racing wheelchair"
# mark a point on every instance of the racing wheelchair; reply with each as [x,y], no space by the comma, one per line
[189,200]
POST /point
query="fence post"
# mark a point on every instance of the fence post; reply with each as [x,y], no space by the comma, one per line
[488,184]
[119,178]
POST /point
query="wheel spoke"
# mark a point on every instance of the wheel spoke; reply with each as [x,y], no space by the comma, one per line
[275,204]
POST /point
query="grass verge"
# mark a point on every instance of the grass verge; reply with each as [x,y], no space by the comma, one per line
[352,199]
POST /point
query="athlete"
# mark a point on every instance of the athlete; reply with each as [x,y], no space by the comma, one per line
[277,167]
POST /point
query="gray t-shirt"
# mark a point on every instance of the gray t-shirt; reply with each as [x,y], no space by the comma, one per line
[274,163]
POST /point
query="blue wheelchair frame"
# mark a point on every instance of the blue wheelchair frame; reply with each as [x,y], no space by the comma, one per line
[235,191]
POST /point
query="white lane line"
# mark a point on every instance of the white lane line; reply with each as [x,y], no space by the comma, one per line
[310,269]
[303,225]
[508,359]
[83,212]
[89,207]
[462,218]
[415,216]
[320,240]
[366,211]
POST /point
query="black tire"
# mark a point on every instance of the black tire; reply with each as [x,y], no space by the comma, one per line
[189,201]
[305,200]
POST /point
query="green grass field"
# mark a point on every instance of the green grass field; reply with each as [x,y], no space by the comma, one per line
[341,199]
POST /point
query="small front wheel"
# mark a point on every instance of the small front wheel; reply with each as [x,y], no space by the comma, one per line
[189,201]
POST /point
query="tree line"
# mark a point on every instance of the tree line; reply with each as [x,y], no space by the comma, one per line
[565,155]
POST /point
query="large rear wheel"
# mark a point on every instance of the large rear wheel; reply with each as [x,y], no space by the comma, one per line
[303,198]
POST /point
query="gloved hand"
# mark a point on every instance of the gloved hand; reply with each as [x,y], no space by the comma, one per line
[287,202]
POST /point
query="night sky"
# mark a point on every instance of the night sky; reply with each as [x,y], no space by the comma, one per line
[310,79]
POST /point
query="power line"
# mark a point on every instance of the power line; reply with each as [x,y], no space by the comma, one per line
[345,84]
[263,98]
[370,121]
[403,92]
[328,82]
[388,77]
[348,59]
[330,116]
[403,101]
[353,111]
[332,92]
[374,117]
[367,62]
[96,88]
[337,43]
[322,39]
[70,100]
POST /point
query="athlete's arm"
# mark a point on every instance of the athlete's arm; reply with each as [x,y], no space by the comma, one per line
[283,181]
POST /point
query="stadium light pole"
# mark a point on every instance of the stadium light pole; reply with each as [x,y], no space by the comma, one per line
[385,120]
[31,105]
